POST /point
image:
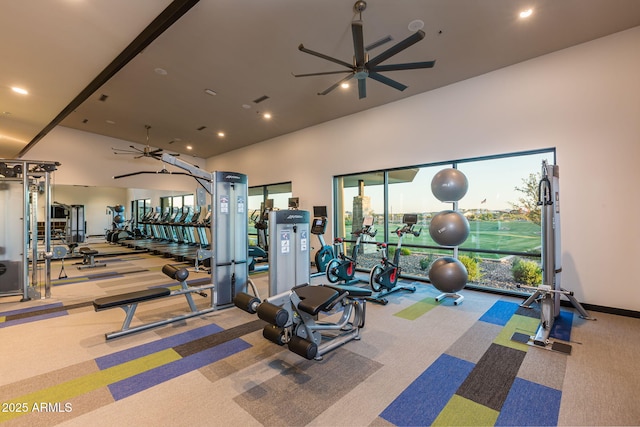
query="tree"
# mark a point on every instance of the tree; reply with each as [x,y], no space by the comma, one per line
[528,203]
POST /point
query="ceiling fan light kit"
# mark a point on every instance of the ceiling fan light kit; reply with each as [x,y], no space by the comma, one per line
[363,67]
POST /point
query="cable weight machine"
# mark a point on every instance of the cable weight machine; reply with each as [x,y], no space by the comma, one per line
[548,294]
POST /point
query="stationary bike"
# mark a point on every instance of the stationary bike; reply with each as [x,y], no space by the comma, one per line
[343,267]
[384,276]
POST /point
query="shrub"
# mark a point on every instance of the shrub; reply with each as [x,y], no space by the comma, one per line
[526,272]
[425,262]
[403,251]
[473,267]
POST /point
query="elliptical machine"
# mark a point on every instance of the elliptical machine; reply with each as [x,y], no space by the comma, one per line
[383,278]
[259,252]
[318,227]
[343,267]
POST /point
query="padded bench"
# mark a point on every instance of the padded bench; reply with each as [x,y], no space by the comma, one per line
[129,301]
[88,258]
[130,298]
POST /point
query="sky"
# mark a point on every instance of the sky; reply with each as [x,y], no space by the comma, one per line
[491,186]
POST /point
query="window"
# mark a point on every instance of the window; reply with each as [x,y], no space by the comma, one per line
[276,194]
[500,206]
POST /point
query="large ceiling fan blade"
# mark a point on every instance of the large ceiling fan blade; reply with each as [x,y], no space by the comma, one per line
[406,66]
[322,73]
[123,151]
[386,80]
[397,48]
[378,43]
[358,42]
[156,151]
[362,88]
[301,48]
[332,87]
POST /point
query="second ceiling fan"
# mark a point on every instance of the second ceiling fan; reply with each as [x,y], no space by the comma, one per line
[363,67]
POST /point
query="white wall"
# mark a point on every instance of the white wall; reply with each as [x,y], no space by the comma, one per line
[87,159]
[585,101]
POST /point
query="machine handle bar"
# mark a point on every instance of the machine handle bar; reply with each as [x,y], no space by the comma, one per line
[545,290]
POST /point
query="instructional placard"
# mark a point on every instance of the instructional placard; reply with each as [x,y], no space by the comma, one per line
[240,204]
[224,204]
[303,240]
[285,241]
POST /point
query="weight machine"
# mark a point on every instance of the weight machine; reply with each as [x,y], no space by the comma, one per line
[548,294]
[22,184]
[228,252]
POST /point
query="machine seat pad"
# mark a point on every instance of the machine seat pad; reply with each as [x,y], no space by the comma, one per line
[354,291]
[87,251]
[315,298]
[130,298]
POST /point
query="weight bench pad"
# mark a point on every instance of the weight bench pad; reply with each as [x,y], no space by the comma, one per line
[130,298]
[87,251]
[315,298]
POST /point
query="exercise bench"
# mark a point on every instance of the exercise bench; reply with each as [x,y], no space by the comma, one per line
[88,258]
[129,302]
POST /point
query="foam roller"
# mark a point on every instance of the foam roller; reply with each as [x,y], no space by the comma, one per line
[246,302]
[274,334]
[302,347]
[179,274]
[273,314]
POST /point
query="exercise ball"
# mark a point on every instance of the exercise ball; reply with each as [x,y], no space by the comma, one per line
[449,228]
[449,185]
[118,208]
[448,274]
[118,219]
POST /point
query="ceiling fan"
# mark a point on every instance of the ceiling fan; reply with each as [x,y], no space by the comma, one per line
[146,151]
[363,67]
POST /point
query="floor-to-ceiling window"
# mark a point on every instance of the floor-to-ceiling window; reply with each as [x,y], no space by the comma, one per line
[500,206]
[263,198]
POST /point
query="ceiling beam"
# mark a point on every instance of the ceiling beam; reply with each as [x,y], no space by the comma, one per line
[162,22]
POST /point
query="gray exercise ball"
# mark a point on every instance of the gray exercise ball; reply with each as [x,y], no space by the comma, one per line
[448,274]
[118,208]
[449,185]
[449,228]
[118,219]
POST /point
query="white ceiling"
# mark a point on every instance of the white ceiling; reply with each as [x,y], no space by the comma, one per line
[246,49]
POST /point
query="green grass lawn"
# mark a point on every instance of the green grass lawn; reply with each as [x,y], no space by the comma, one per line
[510,236]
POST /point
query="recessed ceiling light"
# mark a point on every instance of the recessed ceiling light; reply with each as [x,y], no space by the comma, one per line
[415,25]
[246,106]
[221,134]
[210,92]
[267,115]
[189,147]
[20,90]
[161,71]
[344,85]
[111,122]
[526,13]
